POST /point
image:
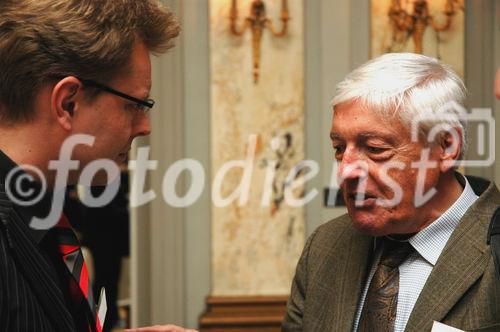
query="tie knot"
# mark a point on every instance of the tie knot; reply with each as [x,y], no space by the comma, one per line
[394,253]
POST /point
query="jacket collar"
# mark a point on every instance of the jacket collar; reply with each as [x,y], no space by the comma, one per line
[40,209]
[462,262]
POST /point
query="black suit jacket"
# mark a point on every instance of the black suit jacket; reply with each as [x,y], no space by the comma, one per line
[30,294]
[32,273]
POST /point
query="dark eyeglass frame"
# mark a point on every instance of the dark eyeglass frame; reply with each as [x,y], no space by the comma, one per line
[147,104]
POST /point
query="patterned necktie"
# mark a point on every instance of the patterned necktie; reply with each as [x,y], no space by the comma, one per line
[79,284]
[379,310]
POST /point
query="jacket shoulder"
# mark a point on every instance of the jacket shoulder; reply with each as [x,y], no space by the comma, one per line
[331,230]
[330,238]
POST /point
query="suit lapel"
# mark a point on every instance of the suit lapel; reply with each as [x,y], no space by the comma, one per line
[34,267]
[344,274]
[462,262]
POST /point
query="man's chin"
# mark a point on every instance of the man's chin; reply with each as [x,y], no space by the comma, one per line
[369,226]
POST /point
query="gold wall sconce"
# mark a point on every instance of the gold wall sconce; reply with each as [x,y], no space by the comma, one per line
[414,24]
[257,21]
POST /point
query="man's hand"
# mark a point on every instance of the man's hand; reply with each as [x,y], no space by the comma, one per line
[161,328]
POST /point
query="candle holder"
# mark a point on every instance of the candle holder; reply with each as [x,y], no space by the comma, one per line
[257,21]
[414,24]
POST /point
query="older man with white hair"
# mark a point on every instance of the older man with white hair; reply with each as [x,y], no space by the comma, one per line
[413,247]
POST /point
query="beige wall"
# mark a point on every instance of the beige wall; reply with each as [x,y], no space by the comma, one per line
[256,244]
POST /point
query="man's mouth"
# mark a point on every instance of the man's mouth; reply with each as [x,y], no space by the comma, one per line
[362,199]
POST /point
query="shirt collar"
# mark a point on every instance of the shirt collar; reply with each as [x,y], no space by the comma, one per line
[430,241]
[39,209]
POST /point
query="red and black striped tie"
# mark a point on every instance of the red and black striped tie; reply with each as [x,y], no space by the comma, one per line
[80,288]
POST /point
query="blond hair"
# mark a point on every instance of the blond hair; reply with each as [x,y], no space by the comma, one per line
[41,40]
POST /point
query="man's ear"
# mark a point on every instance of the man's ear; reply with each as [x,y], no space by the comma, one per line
[65,98]
[450,147]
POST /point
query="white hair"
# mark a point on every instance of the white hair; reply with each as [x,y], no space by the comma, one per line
[410,86]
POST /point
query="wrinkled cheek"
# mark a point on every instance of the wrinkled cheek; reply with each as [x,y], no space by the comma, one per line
[398,185]
[431,179]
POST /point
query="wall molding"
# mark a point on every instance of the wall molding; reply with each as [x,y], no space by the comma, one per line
[243,313]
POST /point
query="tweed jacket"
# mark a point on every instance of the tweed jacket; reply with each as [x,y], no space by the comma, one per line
[462,290]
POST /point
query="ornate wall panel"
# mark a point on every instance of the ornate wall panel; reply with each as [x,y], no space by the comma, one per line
[255,246]
[447,45]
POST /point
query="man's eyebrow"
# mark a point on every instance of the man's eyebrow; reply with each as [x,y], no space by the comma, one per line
[369,135]
[363,136]
[366,136]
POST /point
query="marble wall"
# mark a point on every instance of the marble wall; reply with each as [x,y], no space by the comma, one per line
[256,244]
[450,48]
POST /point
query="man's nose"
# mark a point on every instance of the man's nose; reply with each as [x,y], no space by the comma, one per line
[142,126]
[352,166]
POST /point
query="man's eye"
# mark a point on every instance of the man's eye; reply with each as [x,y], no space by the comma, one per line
[136,107]
[140,107]
[375,149]
[339,149]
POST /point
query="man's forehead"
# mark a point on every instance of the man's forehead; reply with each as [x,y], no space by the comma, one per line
[366,135]
[356,111]
[366,125]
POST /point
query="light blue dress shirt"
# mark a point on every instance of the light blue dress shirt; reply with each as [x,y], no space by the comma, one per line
[428,245]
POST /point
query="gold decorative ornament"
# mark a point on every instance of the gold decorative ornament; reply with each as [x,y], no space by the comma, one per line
[414,24]
[257,21]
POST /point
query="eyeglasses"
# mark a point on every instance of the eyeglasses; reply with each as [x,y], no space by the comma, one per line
[143,105]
